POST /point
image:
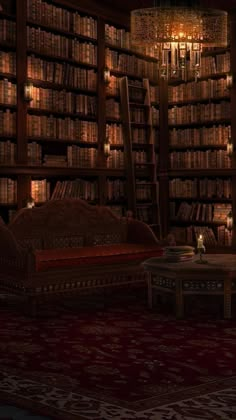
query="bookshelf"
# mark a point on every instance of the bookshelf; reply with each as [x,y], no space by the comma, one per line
[53,146]
[200,170]
[8,110]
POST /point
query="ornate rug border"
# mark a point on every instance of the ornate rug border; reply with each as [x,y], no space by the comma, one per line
[13,383]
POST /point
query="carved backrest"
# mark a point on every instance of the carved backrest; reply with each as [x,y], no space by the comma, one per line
[67,223]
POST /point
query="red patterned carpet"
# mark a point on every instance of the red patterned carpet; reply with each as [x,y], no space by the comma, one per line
[120,363]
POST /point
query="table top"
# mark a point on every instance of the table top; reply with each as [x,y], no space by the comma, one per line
[215,262]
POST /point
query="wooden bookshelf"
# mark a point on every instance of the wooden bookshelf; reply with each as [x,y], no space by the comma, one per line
[200,173]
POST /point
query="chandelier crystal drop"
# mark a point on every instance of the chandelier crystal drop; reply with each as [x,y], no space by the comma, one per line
[177,35]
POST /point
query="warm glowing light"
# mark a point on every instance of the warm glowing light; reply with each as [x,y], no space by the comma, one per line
[170,30]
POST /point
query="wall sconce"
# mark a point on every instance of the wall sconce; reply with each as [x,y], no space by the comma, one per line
[107,75]
[106,148]
[229,80]
[28,91]
[230,147]
[229,221]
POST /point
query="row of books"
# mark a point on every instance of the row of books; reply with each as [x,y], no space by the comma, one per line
[200,159]
[59,46]
[130,64]
[114,133]
[7,92]
[40,190]
[7,152]
[63,101]
[77,188]
[8,191]
[198,211]
[143,190]
[201,136]
[210,88]
[116,159]
[61,18]
[198,113]
[7,122]
[7,31]
[116,36]
[213,64]
[83,157]
[62,128]
[61,73]
[113,108]
[115,190]
[206,188]
[8,62]
[189,235]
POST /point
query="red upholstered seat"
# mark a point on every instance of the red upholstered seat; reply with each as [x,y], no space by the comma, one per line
[104,254]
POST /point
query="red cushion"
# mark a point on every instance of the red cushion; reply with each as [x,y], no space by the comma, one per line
[105,254]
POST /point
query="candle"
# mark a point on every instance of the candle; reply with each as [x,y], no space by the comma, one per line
[200,242]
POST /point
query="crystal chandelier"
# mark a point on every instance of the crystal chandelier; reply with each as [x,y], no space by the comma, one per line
[176,35]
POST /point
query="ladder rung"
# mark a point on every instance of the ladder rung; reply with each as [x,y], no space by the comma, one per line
[141,105]
[137,87]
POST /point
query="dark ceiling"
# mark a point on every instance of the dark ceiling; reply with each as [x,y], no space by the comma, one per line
[127,5]
[118,11]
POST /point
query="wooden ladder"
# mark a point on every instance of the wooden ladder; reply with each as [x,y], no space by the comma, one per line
[139,149]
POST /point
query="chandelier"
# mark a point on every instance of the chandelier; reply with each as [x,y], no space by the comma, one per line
[176,35]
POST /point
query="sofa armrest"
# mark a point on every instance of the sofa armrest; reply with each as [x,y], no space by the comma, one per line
[140,233]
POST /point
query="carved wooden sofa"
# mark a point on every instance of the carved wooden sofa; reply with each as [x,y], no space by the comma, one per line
[66,246]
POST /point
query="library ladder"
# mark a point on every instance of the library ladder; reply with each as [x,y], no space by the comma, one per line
[139,148]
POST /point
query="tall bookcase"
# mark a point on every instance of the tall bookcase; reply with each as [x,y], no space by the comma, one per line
[200,174]
[8,108]
[53,146]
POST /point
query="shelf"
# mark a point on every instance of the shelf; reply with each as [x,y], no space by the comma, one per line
[36,111]
[196,222]
[8,106]
[199,100]
[59,58]
[63,32]
[57,86]
[199,147]
[8,76]
[6,15]
[120,73]
[201,172]
[218,75]
[202,199]
[7,45]
[130,52]
[66,141]
[58,172]
[202,123]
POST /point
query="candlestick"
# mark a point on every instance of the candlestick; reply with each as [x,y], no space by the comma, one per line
[201,249]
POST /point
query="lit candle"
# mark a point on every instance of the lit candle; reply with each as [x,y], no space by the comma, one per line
[200,242]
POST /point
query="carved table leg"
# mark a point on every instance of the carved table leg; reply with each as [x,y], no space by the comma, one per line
[179,299]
